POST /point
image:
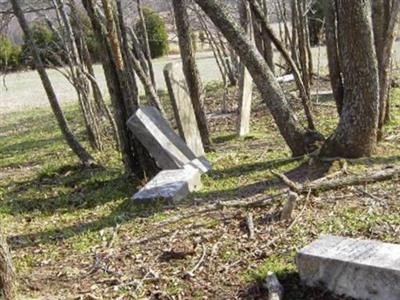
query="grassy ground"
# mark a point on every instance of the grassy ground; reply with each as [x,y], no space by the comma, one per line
[75,234]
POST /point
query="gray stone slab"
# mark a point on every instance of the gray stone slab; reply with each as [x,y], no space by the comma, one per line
[183,108]
[170,186]
[164,145]
[362,269]
[202,164]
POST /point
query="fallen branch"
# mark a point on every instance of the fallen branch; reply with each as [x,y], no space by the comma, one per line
[252,203]
[326,185]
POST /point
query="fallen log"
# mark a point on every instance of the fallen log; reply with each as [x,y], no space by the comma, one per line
[350,180]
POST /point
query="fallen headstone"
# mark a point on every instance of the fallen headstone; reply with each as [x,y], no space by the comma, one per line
[164,145]
[170,186]
[183,108]
[362,269]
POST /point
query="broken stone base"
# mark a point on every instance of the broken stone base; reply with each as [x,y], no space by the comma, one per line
[361,269]
[170,186]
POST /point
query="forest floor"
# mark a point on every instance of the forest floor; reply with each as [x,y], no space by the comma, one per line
[75,234]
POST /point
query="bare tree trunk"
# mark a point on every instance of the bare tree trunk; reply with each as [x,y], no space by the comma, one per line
[384,16]
[267,43]
[333,54]
[139,65]
[101,107]
[136,159]
[356,133]
[295,29]
[302,39]
[190,69]
[71,140]
[79,80]
[7,273]
[145,43]
[298,139]
[286,56]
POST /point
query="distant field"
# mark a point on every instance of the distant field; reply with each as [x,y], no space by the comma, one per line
[24,89]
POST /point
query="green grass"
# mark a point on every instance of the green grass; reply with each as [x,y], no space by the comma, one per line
[58,215]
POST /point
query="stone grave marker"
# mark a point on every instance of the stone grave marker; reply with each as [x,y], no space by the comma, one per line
[170,186]
[165,146]
[362,269]
[183,108]
[245,98]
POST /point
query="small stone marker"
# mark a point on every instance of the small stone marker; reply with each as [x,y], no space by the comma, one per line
[183,108]
[170,185]
[362,269]
[164,145]
[285,78]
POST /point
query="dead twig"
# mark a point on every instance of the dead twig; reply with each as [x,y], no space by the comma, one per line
[369,194]
[198,264]
[291,184]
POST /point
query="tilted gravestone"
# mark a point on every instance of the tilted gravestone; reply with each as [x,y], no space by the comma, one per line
[164,145]
[362,269]
[170,186]
[183,108]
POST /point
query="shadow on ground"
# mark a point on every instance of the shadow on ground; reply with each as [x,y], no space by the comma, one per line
[293,289]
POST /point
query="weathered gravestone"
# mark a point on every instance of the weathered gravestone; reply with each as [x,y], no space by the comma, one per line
[170,185]
[245,98]
[183,108]
[362,269]
[245,79]
[164,145]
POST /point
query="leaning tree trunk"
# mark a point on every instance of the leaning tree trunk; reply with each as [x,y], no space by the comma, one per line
[7,273]
[305,98]
[299,140]
[333,54]
[190,69]
[356,133]
[71,140]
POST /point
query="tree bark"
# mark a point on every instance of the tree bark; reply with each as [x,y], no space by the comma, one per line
[356,133]
[145,43]
[71,140]
[7,273]
[190,69]
[384,16]
[135,158]
[305,98]
[333,54]
[298,139]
